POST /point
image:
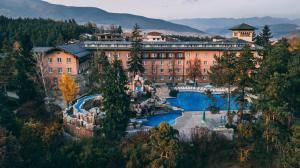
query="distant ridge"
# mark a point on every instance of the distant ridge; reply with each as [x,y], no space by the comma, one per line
[279,26]
[41,9]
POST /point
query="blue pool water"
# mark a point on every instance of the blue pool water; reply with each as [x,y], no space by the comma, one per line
[157,119]
[195,101]
[80,101]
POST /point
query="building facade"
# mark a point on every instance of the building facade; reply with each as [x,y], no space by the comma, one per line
[171,61]
[70,59]
[164,62]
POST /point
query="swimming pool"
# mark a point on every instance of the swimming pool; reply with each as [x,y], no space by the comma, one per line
[169,118]
[196,101]
[81,101]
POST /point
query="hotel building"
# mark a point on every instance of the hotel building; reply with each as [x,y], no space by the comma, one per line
[164,62]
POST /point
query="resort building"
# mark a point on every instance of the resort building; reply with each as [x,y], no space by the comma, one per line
[244,32]
[70,59]
[164,61]
[154,37]
[171,61]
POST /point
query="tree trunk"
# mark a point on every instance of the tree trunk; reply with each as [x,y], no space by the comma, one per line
[228,105]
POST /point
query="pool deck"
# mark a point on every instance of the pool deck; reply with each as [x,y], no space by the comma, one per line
[189,120]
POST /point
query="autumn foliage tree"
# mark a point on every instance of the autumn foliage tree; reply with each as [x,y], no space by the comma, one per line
[68,88]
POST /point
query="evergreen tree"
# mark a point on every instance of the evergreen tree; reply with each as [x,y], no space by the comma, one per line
[98,68]
[25,79]
[135,62]
[9,150]
[263,39]
[115,101]
[292,154]
[223,74]
[245,66]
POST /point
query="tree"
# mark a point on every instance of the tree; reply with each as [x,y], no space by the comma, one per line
[9,150]
[31,140]
[245,66]
[164,146]
[115,101]
[263,39]
[98,68]
[68,88]
[194,70]
[135,62]
[223,73]
[273,89]
[25,79]
[292,154]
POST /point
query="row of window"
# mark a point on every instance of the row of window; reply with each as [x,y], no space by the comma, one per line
[176,70]
[179,62]
[59,60]
[60,70]
[178,78]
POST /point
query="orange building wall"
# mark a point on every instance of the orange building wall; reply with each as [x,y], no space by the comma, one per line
[181,65]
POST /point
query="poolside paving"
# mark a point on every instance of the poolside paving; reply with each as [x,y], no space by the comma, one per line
[190,120]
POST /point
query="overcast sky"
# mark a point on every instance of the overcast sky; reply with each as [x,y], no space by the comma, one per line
[176,9]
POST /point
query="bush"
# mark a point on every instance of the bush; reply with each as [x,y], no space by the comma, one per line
[173,93]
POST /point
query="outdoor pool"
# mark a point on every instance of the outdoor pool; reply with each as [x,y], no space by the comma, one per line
[157,119]
[196,101]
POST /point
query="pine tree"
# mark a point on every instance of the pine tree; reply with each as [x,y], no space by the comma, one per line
[98,68]
[135,62]
[222,73]
[115,101]
[263,39]
[25,79]
[245,66]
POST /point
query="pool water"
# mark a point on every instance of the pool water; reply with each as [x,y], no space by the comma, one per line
[157,119]
[195,101]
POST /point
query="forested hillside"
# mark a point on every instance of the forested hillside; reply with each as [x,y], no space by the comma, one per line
[42,32]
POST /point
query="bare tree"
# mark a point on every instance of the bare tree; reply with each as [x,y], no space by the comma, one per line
[194,70]
[42,69]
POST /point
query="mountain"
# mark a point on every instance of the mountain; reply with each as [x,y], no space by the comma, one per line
[41,9]
[279,26]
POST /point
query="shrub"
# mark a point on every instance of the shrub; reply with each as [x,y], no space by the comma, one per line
[173,93]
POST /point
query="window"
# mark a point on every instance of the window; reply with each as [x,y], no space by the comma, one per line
[170,77]
[161,78]
[161,63]
[171,55]
[178,70]
[59,60]
[60,70]
[205,62]
[161,70]
[204,78]
[204,70]
[144,62]
[179,62]
[49,60]
[68,59]
[69,70]
[50,70]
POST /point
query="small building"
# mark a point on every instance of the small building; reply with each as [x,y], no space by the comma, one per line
[154,37]
[71,59]
[243,32]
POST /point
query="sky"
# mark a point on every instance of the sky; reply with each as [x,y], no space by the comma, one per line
[177,9]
